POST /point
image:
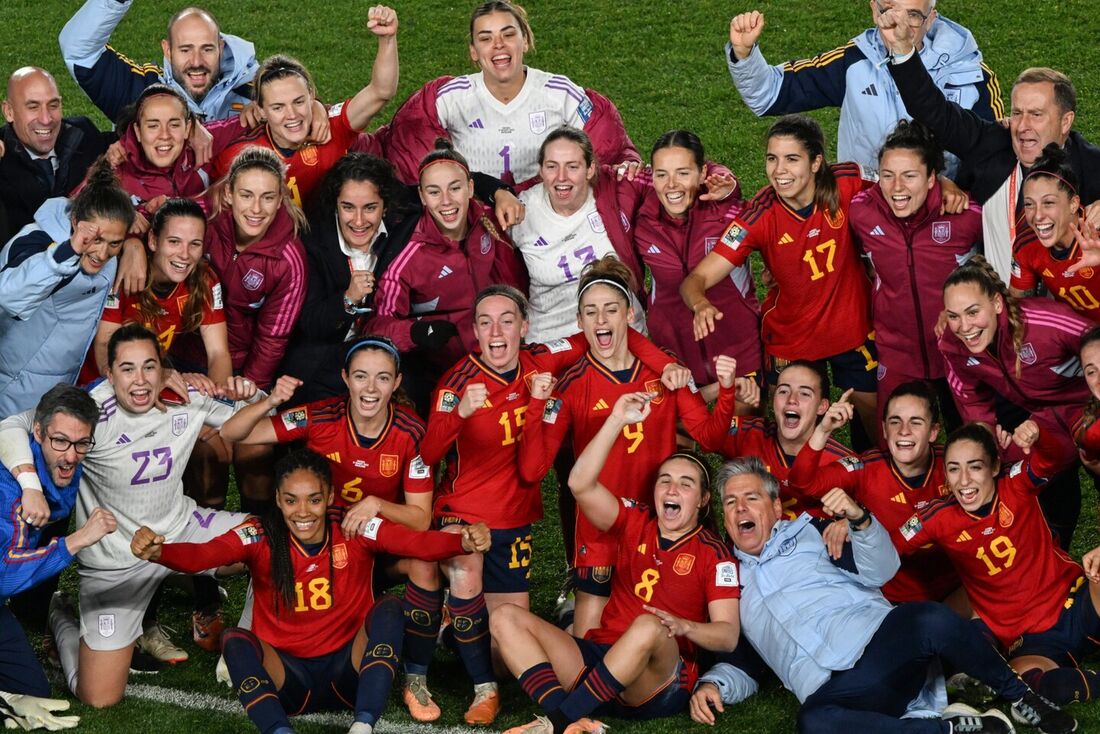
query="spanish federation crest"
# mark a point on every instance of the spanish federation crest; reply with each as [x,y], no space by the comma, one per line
[486,244]
[339,556]
[179,424]
[1027,354]
[388,465]
[537,121]
[683,564]
[709,243]
[941,232]
[252,280]
[595,222]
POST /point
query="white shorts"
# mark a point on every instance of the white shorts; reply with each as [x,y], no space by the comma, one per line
[113,601]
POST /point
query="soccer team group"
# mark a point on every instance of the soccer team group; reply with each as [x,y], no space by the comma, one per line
[392,337]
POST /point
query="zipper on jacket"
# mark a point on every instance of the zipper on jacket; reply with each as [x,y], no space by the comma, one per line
[911,266]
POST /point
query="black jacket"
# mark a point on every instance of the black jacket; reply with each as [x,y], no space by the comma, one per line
[22,191]
[315,354]
[984,148]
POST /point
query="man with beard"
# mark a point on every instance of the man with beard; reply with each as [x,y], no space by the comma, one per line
[62,436]
[213,70]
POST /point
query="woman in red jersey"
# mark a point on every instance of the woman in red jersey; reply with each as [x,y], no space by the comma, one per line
[583,397]
[678,223]
[372,443]
[181,301]
[424,300]
[1008,359]
[286,97]
[479,416]
[1031,596]
[675,591]
[1046,250]
[913,245]
[891,484]
[819,308]
[319,639]
[1086,427]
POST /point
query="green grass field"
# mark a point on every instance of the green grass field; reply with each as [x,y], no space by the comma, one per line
[662,64]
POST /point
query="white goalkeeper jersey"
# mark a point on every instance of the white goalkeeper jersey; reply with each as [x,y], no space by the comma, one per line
[555,249]
[136,469]
[501,139]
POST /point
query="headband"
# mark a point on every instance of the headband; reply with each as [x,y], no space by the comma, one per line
[1071,187]
[377,343]
[605,281]
[433,161]
[695,460]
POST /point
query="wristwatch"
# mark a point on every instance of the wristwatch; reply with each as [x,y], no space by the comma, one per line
[855,524]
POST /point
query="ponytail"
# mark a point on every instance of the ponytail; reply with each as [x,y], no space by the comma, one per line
[102,197]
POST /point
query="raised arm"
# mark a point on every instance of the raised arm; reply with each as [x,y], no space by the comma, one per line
[596,501]
[382,22]
[250,425]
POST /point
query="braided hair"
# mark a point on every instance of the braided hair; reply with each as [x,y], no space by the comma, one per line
[977,271]
[277,534]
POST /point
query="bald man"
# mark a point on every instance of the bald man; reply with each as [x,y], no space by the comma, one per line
[213,70]
[45,154]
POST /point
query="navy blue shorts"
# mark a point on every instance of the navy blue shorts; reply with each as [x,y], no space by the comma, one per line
[20,671]
[670,700]
[594,580]
[856,368]
[1075,635]
[323,683]
[507,568]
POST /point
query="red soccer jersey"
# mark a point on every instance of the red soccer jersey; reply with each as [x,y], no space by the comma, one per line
[820,304]
[482,480]
[680,577]
[307,166]
[123,309]
[874,480]
[1033,264]
[752,436]
[388,467]
[1017,578]
[327,610]
[587,391]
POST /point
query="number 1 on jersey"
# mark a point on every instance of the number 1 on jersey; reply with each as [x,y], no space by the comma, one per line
[512,423]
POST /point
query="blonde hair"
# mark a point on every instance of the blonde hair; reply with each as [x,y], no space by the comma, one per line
[255,158]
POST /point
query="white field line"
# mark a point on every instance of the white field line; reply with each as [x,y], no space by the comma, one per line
[206,702]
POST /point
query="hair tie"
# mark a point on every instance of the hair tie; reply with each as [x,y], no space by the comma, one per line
[695,460]
[433,161]
[373,342]
[605,281]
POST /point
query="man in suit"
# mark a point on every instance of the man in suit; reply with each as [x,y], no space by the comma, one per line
[44,154]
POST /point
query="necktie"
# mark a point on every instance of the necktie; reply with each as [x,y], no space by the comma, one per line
[45,171]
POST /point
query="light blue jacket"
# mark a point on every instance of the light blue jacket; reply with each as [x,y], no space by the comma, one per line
[807,616]
[49,309]
[854,77]
[113,81]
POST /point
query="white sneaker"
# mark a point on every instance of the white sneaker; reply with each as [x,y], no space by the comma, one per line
[360,728]
[155,642]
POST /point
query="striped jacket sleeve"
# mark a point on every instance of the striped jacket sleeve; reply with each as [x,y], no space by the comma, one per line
[110,79]
[22,565]
[795,86]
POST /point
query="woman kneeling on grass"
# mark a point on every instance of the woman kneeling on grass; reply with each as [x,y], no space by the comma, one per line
[673,574]
[319,639]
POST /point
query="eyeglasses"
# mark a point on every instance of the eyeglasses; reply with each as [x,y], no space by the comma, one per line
[62,444]
[915,17]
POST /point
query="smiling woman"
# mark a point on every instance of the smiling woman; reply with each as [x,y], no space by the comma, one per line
[53,294]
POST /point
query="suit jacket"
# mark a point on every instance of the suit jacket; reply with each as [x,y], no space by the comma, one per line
[22,190]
